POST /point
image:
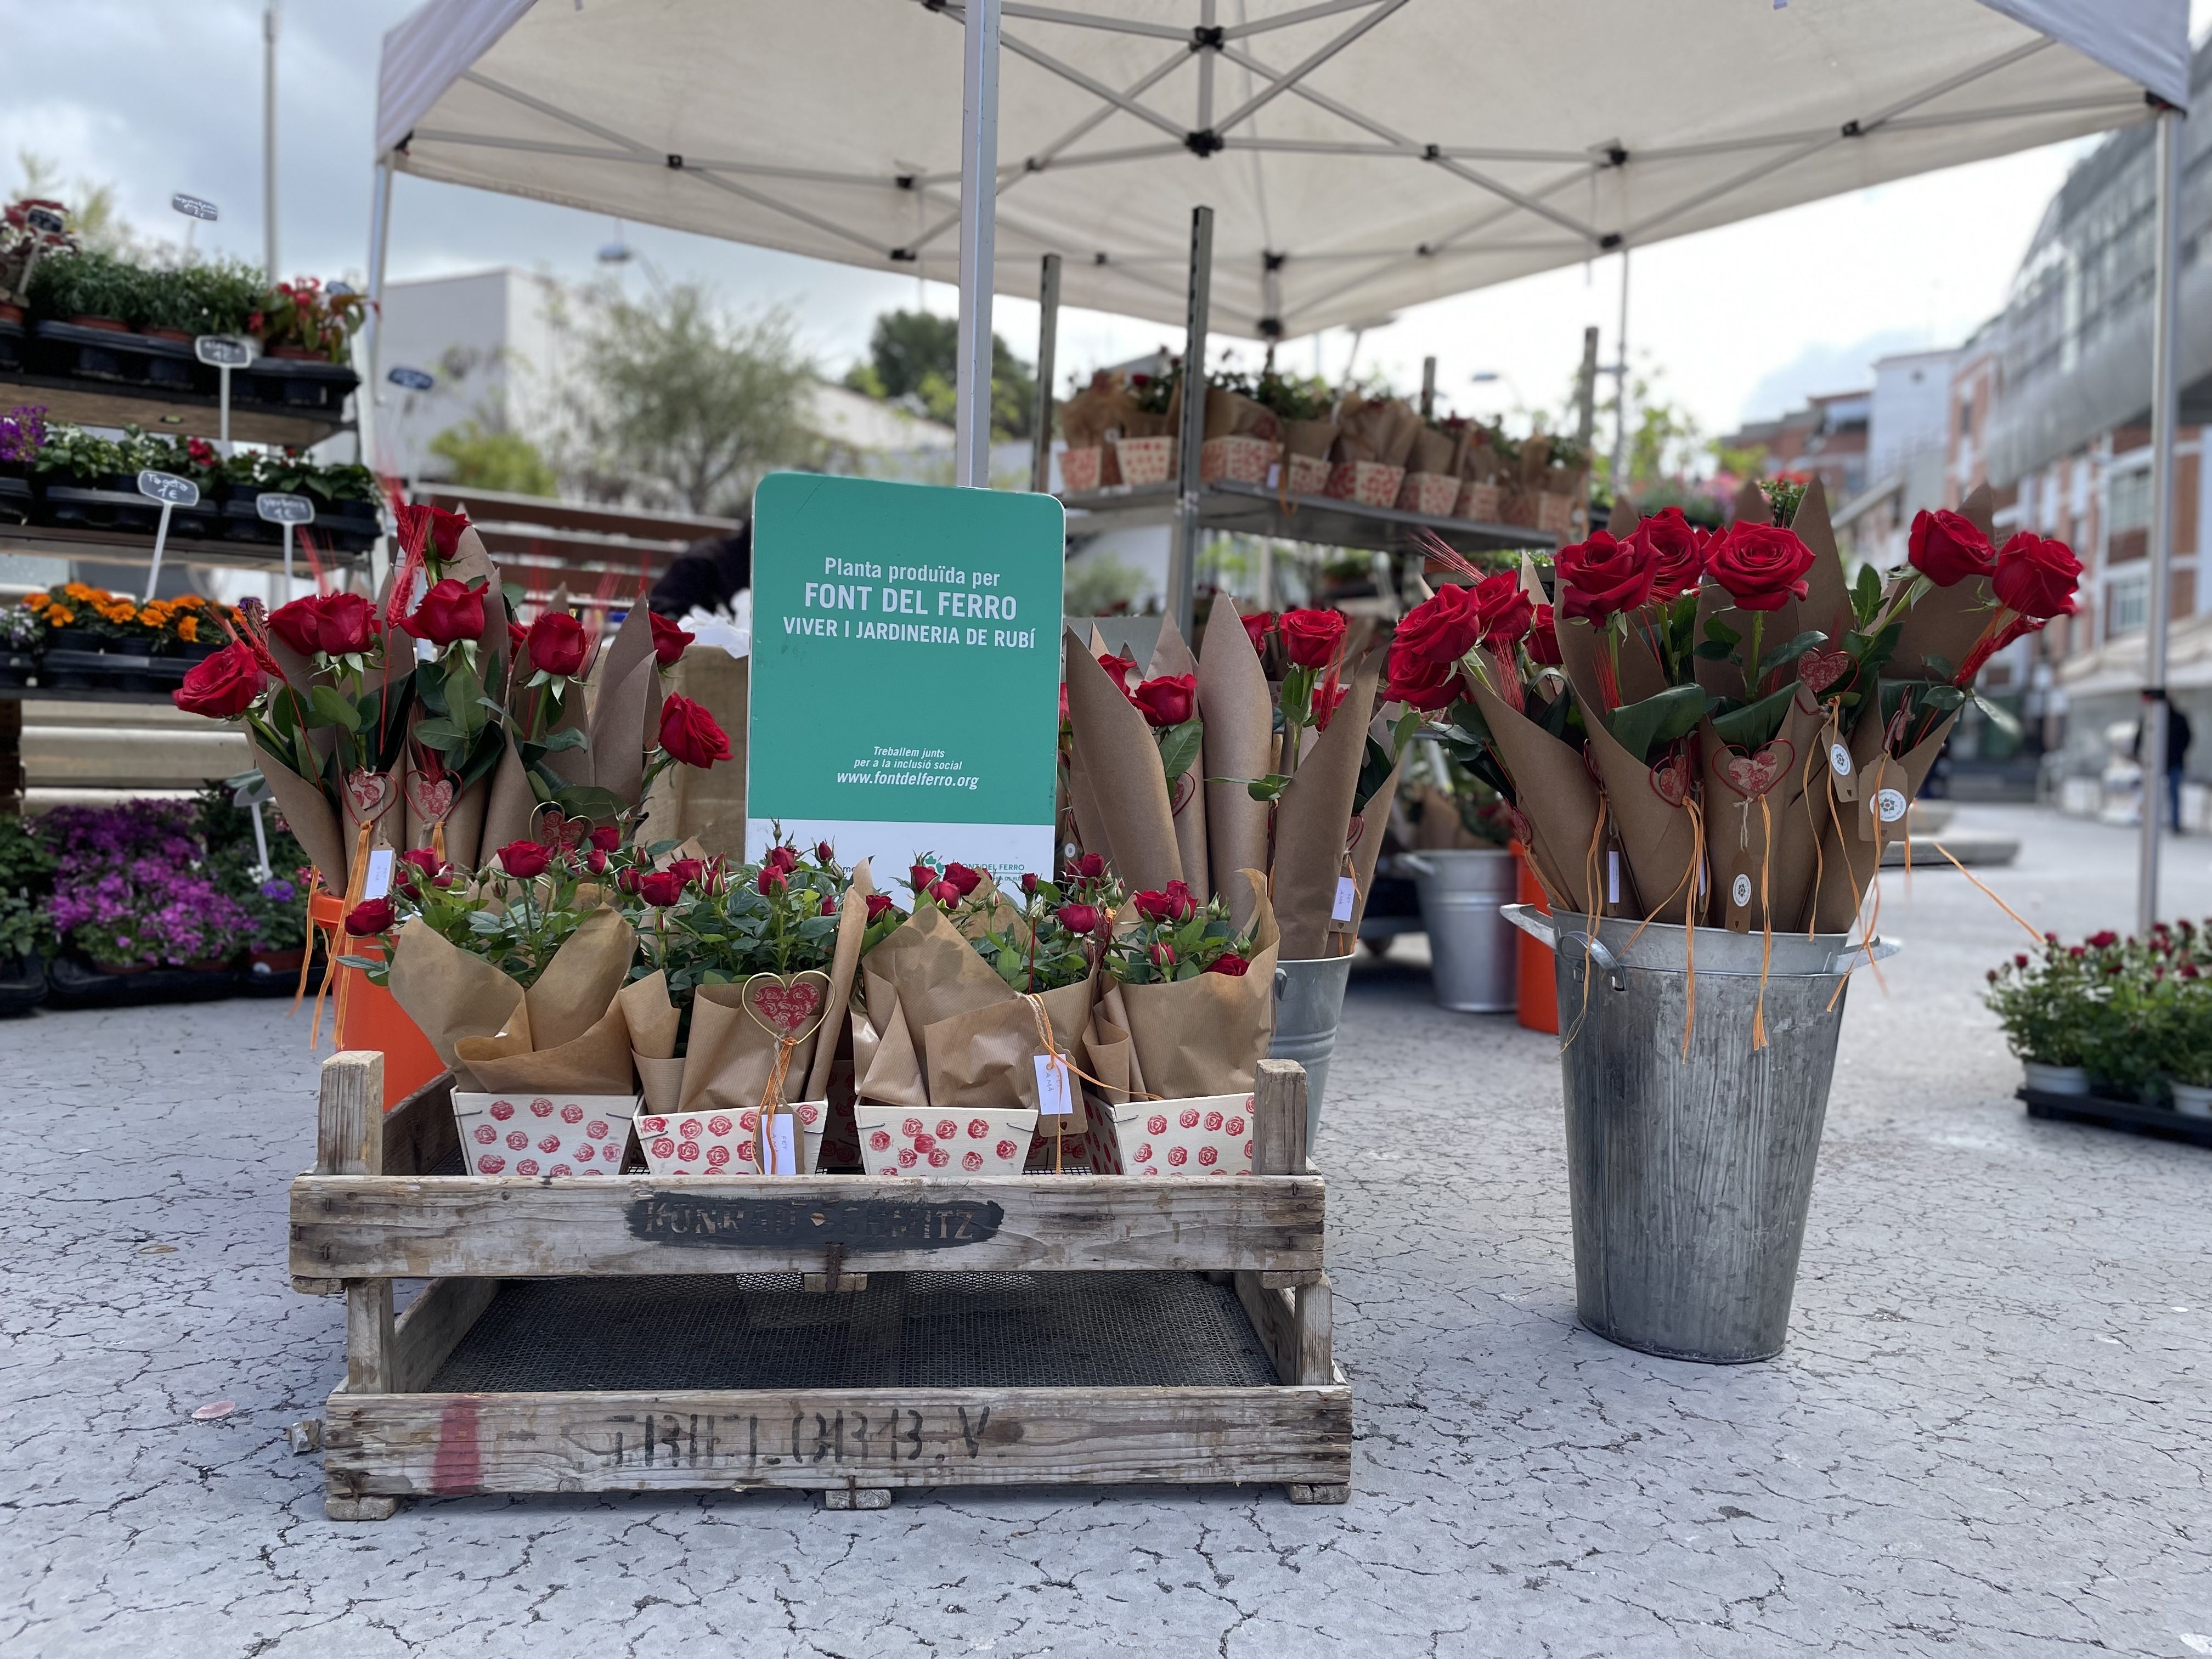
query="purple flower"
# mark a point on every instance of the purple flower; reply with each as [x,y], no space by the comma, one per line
[22,432]
[279,890]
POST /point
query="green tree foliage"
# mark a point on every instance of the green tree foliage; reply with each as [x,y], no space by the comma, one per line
[676,400]
[912,357]
[483,459]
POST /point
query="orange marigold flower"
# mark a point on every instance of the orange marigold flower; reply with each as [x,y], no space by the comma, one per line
[60,616]
[188,630]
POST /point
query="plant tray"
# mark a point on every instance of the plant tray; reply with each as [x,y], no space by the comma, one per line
[76,986]
[294,384]
[91,508]
[109,670]
[2160,1121]
[105,354]
[11,345]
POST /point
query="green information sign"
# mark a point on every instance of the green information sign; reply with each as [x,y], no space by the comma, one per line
[905,672]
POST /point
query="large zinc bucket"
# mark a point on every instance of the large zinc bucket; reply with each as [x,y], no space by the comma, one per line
[1471,943]
[1689,1178]
[1308,1002]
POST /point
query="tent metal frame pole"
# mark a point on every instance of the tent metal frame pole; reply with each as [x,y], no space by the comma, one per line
[269,29]
[1621,392]
[979,170]
[1190,440]
[2164,413]
[379,249]
[1047,367]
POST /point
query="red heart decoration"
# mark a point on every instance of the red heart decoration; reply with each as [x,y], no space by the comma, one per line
[1818,670]
[788,1007]
[370,794]
[1753,775]
[1671,783]
[1358,829]
[1185,787]
[560,832]
[431,798]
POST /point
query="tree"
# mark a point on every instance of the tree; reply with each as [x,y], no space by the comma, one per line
[92,217]
[914,357]
[674,399]
[484,457]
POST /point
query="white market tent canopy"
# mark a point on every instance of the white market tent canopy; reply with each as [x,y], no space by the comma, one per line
[1360,155]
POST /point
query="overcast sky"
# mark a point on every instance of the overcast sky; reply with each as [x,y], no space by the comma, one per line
[1739,321]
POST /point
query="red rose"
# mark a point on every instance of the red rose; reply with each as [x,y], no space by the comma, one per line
[1163,955]
[1506,607]
[688,870]
[629,878]
[668,641]
[1167,701]
[1441,628]
[962,879]
[1091,866]
[771,881]
[1426,686]
[1118,668]
[1257,627]
[688,732]
[1231,964]
[785,859]
[2035,577]
[1947,548]
[418,864]
[298,625]
[1677,548]
[607,838]
[2104,941]
[524,858]
[660,888]
[945,894]
[1544,639]
[1760,565]
[1326,697]
[370,916]
[596,862]
[517,636]
[824,854]
[451,611]
[921,878]
[879,906]
[1174,903]
[222,686]
[345,625]
[1312,638]
[1600,577]
[425,529]
[1079,918]
[557,644]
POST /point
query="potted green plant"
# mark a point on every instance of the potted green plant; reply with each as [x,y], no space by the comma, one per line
[27,935]
[2049,1003]
[89,290]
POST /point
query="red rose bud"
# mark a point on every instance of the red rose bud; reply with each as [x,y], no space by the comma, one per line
[1029,884]
[2104,941]
[1091,866]
[1079,918]
[1118,668]
[660,888]
[945,894]
[630,879]
[607,838]
[879,906]
[1948,548]
[1428,687]
[1182,903]
[596,862]
[296,624]
[1506,609]
[557,644]
[824,854]
[690,733]
[1163,955]
[523,860]
[829,905]
[962,879]
[1601,577]
[921,878]
[451,611]
[1544,639]
[1677,550]
[1231,964]
[668,641]
[1312,638]
[1441,628]
[2037,578]
[1760,565]
[1326,696]
[771,881]
[1167,701]
[370,916]
[419,864]
[425,529]
[688,870]
[1257,627]
[222,687]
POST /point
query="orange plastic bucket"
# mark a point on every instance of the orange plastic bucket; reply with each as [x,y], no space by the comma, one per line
[1536,999]
[368,1015]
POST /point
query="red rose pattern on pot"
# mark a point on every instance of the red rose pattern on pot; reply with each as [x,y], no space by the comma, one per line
[548,1136]
[714,1143]
[1205,1138]
[973,1143]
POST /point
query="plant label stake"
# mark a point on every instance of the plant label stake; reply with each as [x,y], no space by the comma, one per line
[172,493]
[413,380]
[224,352]
[285,510]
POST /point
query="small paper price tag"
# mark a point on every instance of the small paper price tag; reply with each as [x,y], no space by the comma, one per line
[1051,1087]
[782,1157]
[1348,894]
[378,882]
[1612,875]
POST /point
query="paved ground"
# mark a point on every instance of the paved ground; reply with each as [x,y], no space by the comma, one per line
[1989,1435]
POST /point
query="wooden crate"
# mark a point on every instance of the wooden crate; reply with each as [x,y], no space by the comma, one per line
[370,1214]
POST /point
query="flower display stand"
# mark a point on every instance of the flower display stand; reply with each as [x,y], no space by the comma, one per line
[2160,1122]
[844,1334]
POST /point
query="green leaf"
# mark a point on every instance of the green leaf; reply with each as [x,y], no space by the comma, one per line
[1866,594]
[439,734]
[1937,668]
[1263,789]
[1717,629]
[569,737]
[1403,732]
[1179,746]
[328,706]
[1714,651]
[1811,639]
[1753,726]
[1657,721]
[584,800]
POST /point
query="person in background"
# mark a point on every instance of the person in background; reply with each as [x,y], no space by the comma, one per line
[2177,736]
[707,575]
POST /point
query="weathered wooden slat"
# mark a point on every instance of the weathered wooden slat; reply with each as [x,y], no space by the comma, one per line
[1279,1118]
[430,1227]
[349,1114]
[827,1440]
[1316,1355]
[368,1336]
[419,1132]
[1274,1322]
[439,1316]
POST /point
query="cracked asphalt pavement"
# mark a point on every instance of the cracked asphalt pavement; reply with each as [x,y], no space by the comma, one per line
[1988,1435]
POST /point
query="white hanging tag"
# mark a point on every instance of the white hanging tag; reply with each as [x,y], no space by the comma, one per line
[1348,894]
[783,1156]
[378,882]
[1052,1086]
[1613,875]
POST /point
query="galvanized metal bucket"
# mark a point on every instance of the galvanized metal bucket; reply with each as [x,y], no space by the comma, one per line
[1689,1178]
[1308,1002]
[1470,944]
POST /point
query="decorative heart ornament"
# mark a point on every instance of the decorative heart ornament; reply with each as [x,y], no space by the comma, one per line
[1180,795]
[789,1008]
[1358,827]
[557,831]
[1753,775]
[431,798]
[370,794]
[1671,781]
[1818,670]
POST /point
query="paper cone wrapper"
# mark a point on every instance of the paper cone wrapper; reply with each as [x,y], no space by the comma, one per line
[1112,1058]
[1187,797]
[307,811]
[1313,820]
[1760,870]
[1827,602]
[885,1066]
[569,1035]
[1123,761]
[1198,1037]
[1655,833]
[1848,859]
[1309,440]
[509,806]
[1239,714]
[988,1056]
[1554,793]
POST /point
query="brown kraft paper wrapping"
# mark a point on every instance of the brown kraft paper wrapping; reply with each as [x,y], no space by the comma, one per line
[1827,602]
[307,809]
[1368,847]
[654,1021]
[1947,622]
[1656,830]
[1126,779]
[1239,715]
[1846,863]
[1311,439]
[568,1034]
[1555,795]
[1187,798]
[1752,887]
[1208,1036]
[624,718]
[1313,818]
[1108,1056]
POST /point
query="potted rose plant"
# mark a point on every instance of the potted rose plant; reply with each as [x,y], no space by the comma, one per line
[2048,1003]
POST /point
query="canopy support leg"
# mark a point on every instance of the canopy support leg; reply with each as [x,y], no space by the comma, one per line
[979,178]
[1621,393]
[1048,351]
[1190,440]
[2165,336]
